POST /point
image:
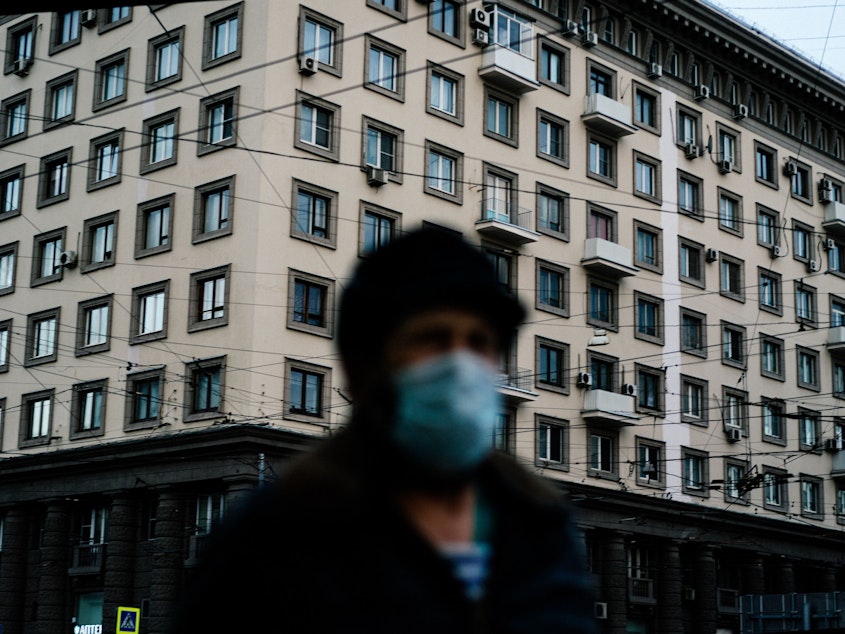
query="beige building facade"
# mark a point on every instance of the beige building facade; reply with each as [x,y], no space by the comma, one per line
[184,190]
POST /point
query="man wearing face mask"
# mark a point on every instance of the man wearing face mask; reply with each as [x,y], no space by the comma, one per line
[408,520]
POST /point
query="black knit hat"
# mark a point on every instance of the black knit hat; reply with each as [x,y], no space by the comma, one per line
[427,268]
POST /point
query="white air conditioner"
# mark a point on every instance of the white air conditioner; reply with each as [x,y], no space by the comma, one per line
[88,18]
[711,255]
[570,28]
[600,610]
[829,244]
[734,434]
[589,38]
[813,266]
[655,70]
[689,593]
[725,166]
[585,379]
[307,65]
[481,37]
[629,389]
[691,151]
[834,444]
[790,168]
[740,111]
[21,66]
[479,18]
[825,195]
[68,259]
[377,177]
[701,92]
[778,251]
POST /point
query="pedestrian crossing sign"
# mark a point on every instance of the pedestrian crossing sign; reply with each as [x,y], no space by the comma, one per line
[128,620]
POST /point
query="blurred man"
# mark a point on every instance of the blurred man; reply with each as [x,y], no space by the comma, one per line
[407,520]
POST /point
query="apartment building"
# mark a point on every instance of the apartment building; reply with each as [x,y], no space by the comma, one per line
[185,188]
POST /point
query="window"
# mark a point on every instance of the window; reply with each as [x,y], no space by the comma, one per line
[770,291]
[603,369]
[632,45]
[775,489]
[20,44]
[378,227]
[805,304]
[318,126]
[204,387]
[42,333]
[694,401]
[693,332]
[840,506]
[552,371]
[809,430]
[601,223]
[445,20]
[444,172]
[650,468]
[5,343]
[88,409]
[213,209]
[104,161]
[36,418]
[512,31]
[383,148]
[110,80]
[8,267]
[691,262]
[98,242]
[209,299]
[648,247]
[736,482]
[735,409]
[733,345]
[218,121]
[646,109]
[773,422]
[552,212]
[648,318]
[689,127]
[114,17]
[552,138]
[445,97]
[729,147]
[66,31]
[732,278]
[14,117]
[837,311]
[11,185]
[650,390]
[160,140]
[601,458]
[696,472]
[222,36]
[500,196]
[812,497]
[603,304]
[771,357]
[164,59]
[768,227]
[46,262]
[601,159]
[689,195]
[802,241]
[836,258]
[54,178]
[60,101]
[384,68]
[765,165]
[730,212]
[93,326]
[552,443]
[307,391]
[553,66]
[646,177]
[321,38]
[808,368]
[310,303]
[149,312]
[144,399]
[838,370]
[552,288]
[315,216]
[501,117]
[504,268]
[154,225]
[395,8]
[801,181]
[601,81]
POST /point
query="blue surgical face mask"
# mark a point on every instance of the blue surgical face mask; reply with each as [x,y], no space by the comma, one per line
[447,411]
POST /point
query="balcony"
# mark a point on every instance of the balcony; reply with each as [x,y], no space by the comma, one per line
[607,258]
[607,116]
[87,559]
[505,68]
[838,468]
[834,219]
[610,409]
[504,223]
[515,385]
[641,590]
[836,341]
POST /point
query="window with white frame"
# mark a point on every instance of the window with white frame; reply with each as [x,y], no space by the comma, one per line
[808,368]
[689,124]
[552,443]
[689,195]
[379,226]
[307,390]
[154,223]
[11,185]
[93,327]
[553,66]
[500,117]
[66,30]
[5,334]
[729,147]
[735,409]
[730,212]
[164,58]
[802,241]
[552,138]
[552,212]
[149,312]
[775,490]
[500,191]
[321,38]
[110,76]
[445,93]
[385,68]
[650,469]
[47,254]
[42,335]
[144,399]
[512,31]
[88,409]
[314,218]
[14,117]
[213,209]
[160,141]
[648,250]
[765,165]
[768,227]
[209,299]
[383,148]
[646,177]
[222,36]
[204,388]
[696,476]
[648,318]
[444,20]
[731,278]
[318,129]
[60,101]
[771,357]
[218,121]
[809,430]
[36,418]
[650,389]
[693,332]
[694,400]
[601,163]
[805,304]
[601,454]
[733,345]
[8,267]
[735,481]
[552,365]
[774,429]
[444,172]
[770,291]
[20,43]
[104,160]
[812,500]
[311,303]
[552,288]
[54,178]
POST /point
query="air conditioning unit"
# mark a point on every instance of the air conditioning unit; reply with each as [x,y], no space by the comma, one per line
[67,259]
[600,610]
[734,434]
[740,111]
[829,244]
[834,444]
[691,151]
[778,251]
[790,168]
[307,65]
[689,593]
[21,66]
[629,389]
[88,18]
[585,379]
[813,266]
[479,18]
[570,28]
[825,196]
[701,92]
[725,166]
[655,70]
[377,177]
[711,255]
[589,38]
[481,37]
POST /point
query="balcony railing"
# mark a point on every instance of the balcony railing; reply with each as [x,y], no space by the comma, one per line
[508,61]
[607,116]
[607,258]
[834,218]
[516,384]
[641,590]
[836,340]
[506,223]
[87,559]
